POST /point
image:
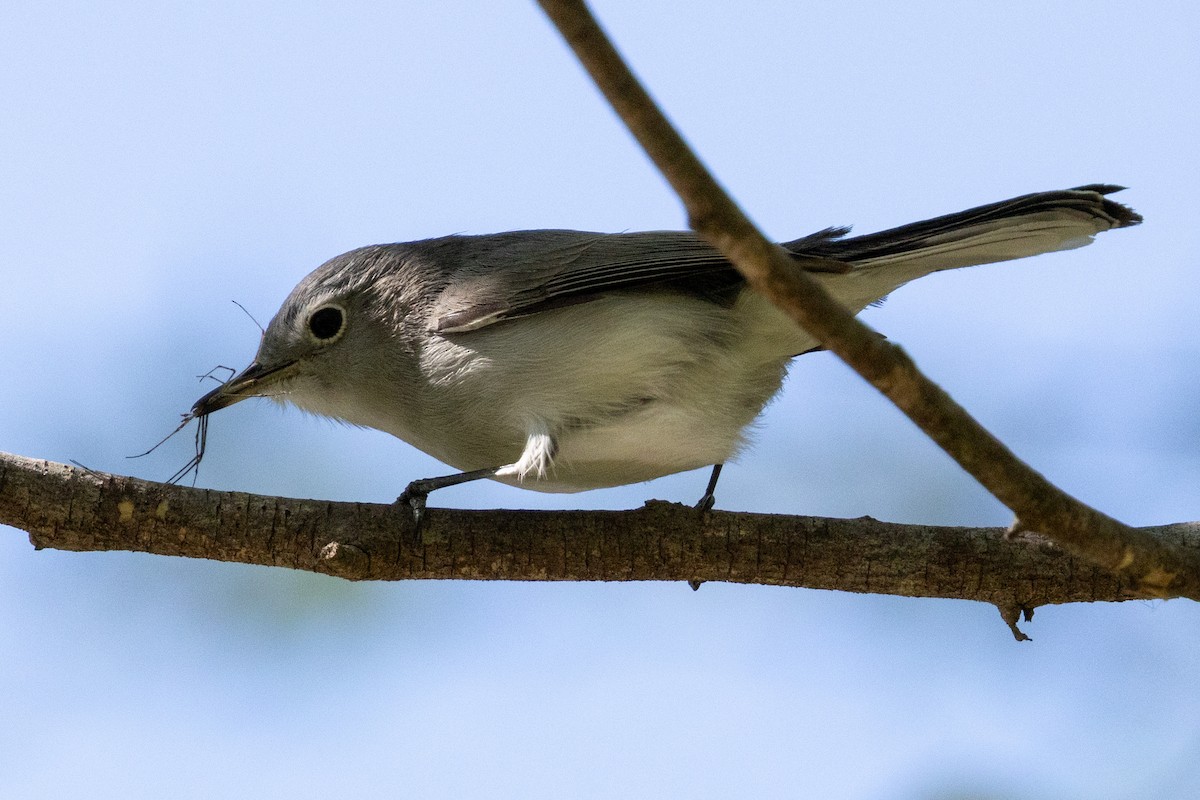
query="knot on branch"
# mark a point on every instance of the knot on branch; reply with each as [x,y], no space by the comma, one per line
[344,560]
[1012,614]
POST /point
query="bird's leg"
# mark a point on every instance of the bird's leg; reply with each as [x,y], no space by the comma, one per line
[705,505]
[416,493]
[710,499]
[535,459]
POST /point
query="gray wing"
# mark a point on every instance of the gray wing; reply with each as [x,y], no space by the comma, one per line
[516,274]
[508,275]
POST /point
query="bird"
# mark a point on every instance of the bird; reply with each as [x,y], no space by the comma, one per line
[563,361]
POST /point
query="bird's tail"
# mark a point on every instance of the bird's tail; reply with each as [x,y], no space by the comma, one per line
[1016,228]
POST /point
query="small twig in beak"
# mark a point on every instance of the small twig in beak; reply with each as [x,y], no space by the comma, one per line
[193,464]
[209,375]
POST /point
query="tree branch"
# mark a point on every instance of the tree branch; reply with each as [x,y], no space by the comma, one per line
[1156,566]
[67,508]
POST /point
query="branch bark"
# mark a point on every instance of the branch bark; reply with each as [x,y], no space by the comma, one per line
[68,508]
[1157,567]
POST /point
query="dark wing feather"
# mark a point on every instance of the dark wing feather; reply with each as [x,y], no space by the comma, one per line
[561,268]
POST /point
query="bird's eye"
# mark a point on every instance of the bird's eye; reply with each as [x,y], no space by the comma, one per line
[327,323]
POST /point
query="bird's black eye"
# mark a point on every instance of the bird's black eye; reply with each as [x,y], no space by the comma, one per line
[326,323]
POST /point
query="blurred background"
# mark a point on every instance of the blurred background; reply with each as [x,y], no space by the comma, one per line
[162,160]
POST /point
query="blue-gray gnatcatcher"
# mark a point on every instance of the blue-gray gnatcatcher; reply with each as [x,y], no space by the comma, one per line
[563,360]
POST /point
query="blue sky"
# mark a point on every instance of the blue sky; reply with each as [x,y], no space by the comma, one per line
[162,160]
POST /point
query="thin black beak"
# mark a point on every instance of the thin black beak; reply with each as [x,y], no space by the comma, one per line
[247,383]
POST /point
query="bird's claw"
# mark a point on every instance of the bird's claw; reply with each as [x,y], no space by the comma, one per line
[414,498]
